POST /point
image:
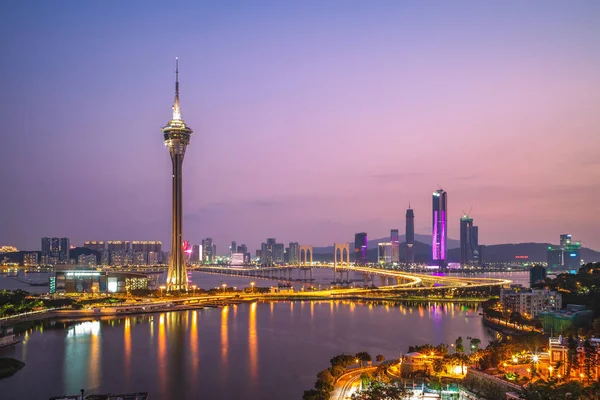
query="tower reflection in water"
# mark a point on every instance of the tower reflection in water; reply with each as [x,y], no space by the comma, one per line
[253,344]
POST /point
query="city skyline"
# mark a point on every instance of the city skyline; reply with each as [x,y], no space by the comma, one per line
[511,111]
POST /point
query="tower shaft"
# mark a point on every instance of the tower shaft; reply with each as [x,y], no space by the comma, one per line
[177,275]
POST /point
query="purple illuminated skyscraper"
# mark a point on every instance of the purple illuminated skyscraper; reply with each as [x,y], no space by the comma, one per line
[361,247]
[439,227]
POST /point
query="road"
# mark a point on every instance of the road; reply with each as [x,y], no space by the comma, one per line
[348,384]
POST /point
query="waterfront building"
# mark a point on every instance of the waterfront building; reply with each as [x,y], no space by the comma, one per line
[294,253]
[196,251]
[537,274]
[439,224]
[104,258]
[140,258]
[530,302]
[410,235]
[567,256]
[207,248]
[176,137]
[267,252]
[554,257]
[118,245]
[395,242]
[145,246]
[97,245]
[361,246]
[153,258]
[469,241]
[87,259]
[384,253]
[117,258]
[236,260]
[232,248]
[93,281]
[30,259]
[278,250]
[55,250]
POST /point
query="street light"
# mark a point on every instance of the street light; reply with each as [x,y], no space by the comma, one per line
[194,290]
[224,286]
[550,370]
[161,290]
[252,285]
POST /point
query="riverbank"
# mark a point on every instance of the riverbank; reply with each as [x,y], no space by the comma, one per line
[9,366]
[125,310]
[506,329]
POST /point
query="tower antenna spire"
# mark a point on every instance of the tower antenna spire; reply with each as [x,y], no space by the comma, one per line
[176,107]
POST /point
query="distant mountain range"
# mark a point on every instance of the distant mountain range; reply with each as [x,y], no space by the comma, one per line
[535,252]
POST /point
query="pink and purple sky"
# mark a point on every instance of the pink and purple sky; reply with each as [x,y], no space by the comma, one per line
[313,120]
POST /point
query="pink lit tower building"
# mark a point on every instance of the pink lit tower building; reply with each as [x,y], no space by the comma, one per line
[177,137]
[439,225]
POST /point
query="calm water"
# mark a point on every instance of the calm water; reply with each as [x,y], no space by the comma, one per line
[251,351]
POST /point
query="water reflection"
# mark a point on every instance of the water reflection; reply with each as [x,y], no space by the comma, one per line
[162,353]
[82,346]
[127,346]
[224,336]
[194,343]
[253,343]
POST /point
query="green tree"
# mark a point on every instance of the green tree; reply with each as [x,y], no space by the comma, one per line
[337,370]
[590,362]
[343,360]
[363,357]
[571,354]
[325,381]
[379,358]
[475,343]
[314,394]
[458,345]
[379,391]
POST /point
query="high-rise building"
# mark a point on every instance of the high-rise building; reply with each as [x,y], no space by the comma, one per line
[267,252]
[153,258]
[439,223]
[294,253]
[207,248]
[196,251]
[384,253]
[176,137]
[97,245]
[361,246]
[232,248]
[55,250]
[395,241]
[469,241]
[410,235]
[278,253]
[537,274]
[145,246]
[242,248]
[571,252]
[30,259]
[214,252]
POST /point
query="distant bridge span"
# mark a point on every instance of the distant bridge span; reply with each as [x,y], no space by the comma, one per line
[403,280]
